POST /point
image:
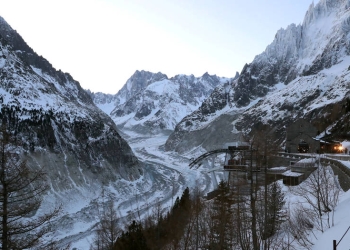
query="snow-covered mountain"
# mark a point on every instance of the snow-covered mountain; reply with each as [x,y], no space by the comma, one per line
[136,83]
[304,72]
[58,128]
[57,120]
[150,102]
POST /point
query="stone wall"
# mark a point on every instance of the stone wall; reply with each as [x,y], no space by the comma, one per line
[301,130]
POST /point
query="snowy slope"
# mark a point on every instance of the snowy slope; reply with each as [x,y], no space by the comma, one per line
[325,241]
[105,102]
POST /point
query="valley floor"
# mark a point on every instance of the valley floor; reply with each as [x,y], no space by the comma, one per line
[166,175]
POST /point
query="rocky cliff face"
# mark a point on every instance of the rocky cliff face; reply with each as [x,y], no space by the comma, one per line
[301,73]
[199,128]
[56,122]
[320,42]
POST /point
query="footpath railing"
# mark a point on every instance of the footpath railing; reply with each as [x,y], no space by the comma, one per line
[340,157]
[339,169]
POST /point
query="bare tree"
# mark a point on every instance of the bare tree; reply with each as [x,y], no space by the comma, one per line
[330,193]
[242,225]
[154,226]
[298,228]
[107,231]
[21,193]
[320,193]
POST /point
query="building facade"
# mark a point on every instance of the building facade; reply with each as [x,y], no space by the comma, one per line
[301,138]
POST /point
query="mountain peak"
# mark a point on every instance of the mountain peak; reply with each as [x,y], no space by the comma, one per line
[138,82]
[4,25]
[323,8]
[147,75]
[151,102]
[141,79]
[205,74]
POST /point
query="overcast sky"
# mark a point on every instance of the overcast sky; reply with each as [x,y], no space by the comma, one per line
[101,43]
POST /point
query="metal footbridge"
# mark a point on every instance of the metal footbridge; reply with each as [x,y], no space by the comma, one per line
[207,154]
[239,158]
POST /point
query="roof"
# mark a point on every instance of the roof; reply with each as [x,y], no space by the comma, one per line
[236,144]
[291,174]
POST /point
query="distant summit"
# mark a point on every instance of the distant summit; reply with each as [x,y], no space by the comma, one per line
[151,102]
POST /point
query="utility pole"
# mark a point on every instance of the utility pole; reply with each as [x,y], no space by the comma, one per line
[335,242]
[253,201]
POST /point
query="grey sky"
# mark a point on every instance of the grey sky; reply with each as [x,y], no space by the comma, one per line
[102,42]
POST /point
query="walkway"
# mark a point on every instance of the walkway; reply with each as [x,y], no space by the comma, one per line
[339,169]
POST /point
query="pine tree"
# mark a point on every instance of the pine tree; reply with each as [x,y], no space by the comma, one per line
[178,219]
[132,239]
[221,218]
[21,192]
[275,203]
